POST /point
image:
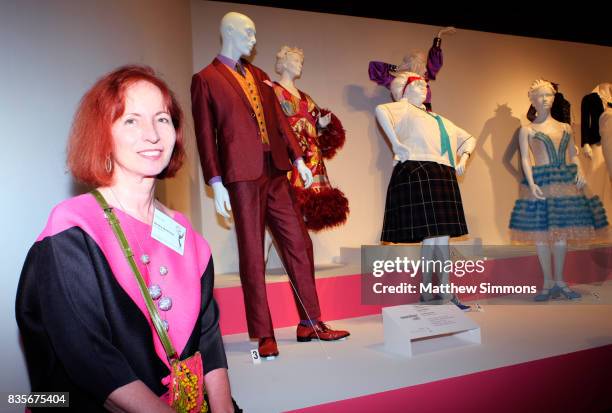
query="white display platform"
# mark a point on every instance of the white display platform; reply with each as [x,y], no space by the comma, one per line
[307,374]
[418,329]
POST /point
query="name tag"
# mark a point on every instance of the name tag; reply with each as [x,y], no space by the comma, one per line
[169,232]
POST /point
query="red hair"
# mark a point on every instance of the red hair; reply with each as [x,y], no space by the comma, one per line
[91,141]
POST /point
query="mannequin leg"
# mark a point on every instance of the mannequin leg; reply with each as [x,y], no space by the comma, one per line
[544,256]
[559,251]
[427,253]
[443,255]
[268,245]
[443,244]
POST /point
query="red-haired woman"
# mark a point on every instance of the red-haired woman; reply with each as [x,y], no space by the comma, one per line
[84,322]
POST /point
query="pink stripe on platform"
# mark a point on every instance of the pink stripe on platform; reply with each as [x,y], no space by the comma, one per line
[340,296]
[574,382]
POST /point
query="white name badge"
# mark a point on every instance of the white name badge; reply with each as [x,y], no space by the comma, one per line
[168,232]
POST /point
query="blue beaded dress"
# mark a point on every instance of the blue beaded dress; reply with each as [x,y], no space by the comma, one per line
[566,213]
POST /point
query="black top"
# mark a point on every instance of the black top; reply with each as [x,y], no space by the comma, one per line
[591,109]
[84,335]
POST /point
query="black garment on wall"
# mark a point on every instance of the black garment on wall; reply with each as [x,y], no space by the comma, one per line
[590,111]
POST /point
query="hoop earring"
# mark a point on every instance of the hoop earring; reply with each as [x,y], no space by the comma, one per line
[108,164]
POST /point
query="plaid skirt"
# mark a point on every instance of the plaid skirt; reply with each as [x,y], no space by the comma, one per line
[423,200]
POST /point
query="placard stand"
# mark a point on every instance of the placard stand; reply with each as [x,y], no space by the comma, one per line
[416,329]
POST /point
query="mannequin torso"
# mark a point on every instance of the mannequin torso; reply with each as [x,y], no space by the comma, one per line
[553,131]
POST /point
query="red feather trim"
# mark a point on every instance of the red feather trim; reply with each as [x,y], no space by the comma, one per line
[326,208]
[332,138]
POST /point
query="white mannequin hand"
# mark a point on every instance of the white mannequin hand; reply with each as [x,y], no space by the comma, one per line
[222,201]
[324,120]
[460,169]
[447,30]
[580,180]
[401,152]
[588,151]
[536,191]
[305,173]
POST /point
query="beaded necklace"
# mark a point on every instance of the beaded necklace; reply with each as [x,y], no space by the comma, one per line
[164,303]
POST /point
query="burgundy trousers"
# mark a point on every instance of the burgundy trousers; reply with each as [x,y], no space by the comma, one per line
[255,204]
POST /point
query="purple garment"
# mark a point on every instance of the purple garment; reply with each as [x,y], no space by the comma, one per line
[434,59]
[214,180]
[380,72]
[227,61]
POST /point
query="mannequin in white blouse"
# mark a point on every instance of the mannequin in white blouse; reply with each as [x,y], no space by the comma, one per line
[414,94]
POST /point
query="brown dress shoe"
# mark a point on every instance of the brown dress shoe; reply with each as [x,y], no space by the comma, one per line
[320,331]
[267,347]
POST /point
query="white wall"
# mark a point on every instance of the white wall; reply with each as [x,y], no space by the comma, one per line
[481,71]
[53,51]
[56,50]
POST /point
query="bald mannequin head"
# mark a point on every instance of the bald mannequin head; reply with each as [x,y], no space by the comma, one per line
[237,35]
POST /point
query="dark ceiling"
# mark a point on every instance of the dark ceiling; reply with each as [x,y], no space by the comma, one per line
[584,22]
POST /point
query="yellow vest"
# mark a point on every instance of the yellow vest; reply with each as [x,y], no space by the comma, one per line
[250,90]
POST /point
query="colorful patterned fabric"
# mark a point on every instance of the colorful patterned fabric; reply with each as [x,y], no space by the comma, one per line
[322,205]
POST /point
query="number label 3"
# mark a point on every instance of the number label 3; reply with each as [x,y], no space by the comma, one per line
[255,356]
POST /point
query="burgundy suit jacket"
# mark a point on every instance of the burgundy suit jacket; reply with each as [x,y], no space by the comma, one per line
[226,127]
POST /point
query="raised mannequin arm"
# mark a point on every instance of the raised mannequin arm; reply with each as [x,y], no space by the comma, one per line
[536,191]
[435,58]
[384,119]
[446,30]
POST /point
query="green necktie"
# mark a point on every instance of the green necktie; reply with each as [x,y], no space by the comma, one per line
[445,146]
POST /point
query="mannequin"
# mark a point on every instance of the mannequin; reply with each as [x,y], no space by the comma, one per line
[245,144]
[605,130]
[591,108]
[320,135]
[552,208]
[238,40]
[415,62]
[423,199]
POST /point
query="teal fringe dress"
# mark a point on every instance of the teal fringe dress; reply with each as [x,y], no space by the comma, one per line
[566,213]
